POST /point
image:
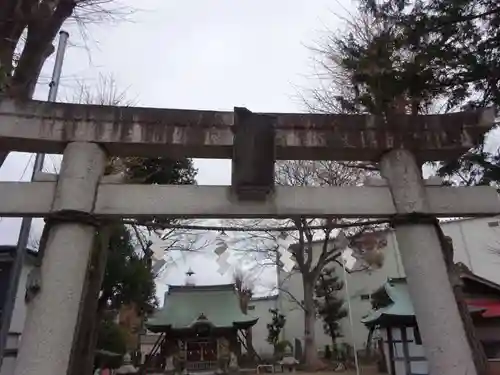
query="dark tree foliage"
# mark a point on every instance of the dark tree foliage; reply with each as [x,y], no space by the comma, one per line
[455,45]
[111,337]
[128,278]
[380,299]
[444,55]
[476,167]
[274,328]
[376,74]
[160,170]
[329,305]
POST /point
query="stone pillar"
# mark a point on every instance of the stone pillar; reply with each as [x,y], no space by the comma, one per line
[53,313]
[436,310]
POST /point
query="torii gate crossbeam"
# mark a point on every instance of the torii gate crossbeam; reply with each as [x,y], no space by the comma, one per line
[80,196]
[115,201]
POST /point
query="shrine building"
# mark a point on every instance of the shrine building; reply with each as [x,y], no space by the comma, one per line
[198,326]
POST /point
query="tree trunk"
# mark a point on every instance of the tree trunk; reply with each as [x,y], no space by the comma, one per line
[14,16]
[83,351]
[249,343]
[42,22]
[43,26]
[369,342]
[311,358]
[334,342]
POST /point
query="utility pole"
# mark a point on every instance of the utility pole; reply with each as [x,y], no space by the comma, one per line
[24,232]
[351,320]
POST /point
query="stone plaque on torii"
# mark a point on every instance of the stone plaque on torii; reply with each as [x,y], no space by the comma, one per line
[80,196]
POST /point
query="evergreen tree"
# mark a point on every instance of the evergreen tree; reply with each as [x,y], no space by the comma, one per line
[274,328]
[111,337]
[450,59]
[159,170]
[128,278]
[329,305]
[457,41]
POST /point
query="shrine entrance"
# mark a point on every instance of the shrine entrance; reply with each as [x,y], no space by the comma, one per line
[200,350]
[80,198]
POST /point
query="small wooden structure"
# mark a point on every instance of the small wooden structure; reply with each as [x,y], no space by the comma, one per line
[399,333]
[200,328]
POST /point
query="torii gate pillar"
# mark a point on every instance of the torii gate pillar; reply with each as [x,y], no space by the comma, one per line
[436,310]
[53,313]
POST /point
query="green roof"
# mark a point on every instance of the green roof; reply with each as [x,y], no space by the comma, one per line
[187,305]
[401,307]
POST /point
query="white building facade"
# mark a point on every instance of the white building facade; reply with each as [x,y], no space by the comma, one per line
[260,307]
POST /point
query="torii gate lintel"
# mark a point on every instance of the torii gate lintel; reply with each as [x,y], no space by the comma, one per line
[36,126]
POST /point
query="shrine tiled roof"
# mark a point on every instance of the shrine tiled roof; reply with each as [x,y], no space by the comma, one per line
[185,306]
[401,307]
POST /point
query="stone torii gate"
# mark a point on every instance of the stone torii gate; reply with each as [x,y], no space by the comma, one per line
[80,196]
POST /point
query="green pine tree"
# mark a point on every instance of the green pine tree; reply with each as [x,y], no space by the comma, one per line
[274,328]
[329,303]
[448,59]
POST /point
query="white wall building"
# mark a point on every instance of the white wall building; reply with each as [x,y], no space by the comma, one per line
[19,315]
[260,307]
[476,243]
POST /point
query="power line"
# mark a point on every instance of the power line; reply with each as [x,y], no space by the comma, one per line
[219,228]
[26,167]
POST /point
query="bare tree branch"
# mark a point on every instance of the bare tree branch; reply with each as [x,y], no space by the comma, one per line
[29,27]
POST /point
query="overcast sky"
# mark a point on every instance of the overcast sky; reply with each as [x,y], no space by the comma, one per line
[204,54]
